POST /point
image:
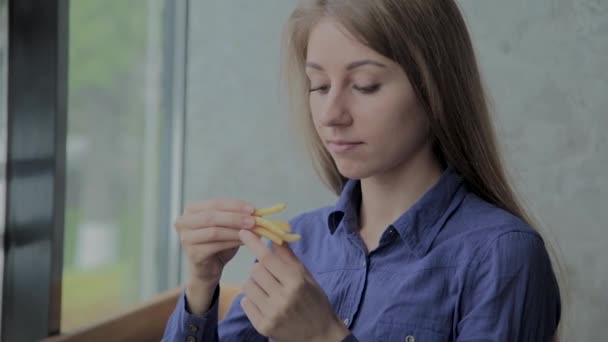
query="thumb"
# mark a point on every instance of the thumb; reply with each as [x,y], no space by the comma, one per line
[285,252]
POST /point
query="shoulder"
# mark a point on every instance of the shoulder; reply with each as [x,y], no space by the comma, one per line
[508,274]
[479,233]
[497,238]
[510,253]
[477,224]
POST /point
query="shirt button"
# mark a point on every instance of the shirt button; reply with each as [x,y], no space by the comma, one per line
[346,321]
[193,328]
[410,338]
[191,339]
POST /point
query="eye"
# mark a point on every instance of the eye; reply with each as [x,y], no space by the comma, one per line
[322,89]
[367,90]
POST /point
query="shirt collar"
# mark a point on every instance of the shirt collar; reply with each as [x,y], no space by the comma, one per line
[420,224]
[347,207]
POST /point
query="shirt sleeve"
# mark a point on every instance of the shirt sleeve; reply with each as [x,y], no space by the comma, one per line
[511,293]
[184,326]
[350,338]
[235,327]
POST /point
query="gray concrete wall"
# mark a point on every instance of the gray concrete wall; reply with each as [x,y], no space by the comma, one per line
[238,141]
[545,63]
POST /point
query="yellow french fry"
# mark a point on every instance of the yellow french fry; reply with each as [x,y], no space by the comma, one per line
[269,225]
[291,237]
[271,210]
[278,239]
[268,234]
[283,225]
[276,231]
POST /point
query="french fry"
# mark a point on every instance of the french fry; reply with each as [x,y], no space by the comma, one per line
[268,234]
[291,237]
[268,225]
[277,208]
[276,238]
[276,231]
[283,225]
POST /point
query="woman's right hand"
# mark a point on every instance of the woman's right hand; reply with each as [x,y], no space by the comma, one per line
[209,234]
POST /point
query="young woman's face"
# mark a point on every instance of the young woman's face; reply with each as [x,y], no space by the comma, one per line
[362,104]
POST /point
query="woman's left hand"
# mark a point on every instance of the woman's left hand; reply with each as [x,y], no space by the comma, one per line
[282,299]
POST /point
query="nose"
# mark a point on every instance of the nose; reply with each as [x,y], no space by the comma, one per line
[336,111]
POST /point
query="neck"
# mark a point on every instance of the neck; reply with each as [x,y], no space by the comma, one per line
[385,197]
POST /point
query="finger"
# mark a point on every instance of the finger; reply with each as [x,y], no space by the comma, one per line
[206,219]
[265,256]
[285,252]
[221,204]
[265,280]
[207,235]
[253,313]
[202,252]
[256,294]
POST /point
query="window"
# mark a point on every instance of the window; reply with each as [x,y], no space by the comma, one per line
[119,157]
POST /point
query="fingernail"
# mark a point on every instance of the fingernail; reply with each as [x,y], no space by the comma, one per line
[248,222]
[249,208]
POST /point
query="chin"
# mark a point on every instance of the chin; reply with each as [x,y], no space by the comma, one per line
[354,170]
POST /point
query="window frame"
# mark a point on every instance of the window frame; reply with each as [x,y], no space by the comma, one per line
[38,38]
[35,168]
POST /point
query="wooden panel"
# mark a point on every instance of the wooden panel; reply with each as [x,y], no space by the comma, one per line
[145,323]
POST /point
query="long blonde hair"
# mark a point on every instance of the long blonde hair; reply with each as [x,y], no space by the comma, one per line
[430,40]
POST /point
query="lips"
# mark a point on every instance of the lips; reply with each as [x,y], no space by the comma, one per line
[342,146]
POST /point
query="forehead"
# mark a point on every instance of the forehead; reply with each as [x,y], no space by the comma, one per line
[331,44]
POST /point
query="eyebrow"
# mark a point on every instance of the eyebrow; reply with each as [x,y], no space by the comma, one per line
[350,66]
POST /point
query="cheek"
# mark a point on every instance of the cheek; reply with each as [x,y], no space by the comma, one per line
[400,125]
[413,136]
[314,104]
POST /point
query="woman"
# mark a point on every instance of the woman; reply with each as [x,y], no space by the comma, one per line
[427,241]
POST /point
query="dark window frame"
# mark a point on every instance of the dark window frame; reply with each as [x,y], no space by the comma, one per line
[35,169]
[37,112]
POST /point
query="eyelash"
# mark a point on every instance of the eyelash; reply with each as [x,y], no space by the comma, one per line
[368,90]
[322,89]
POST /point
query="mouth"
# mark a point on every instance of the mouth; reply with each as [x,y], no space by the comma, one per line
[342,146]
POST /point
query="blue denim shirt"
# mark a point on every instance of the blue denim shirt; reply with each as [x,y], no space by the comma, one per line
[451,268]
